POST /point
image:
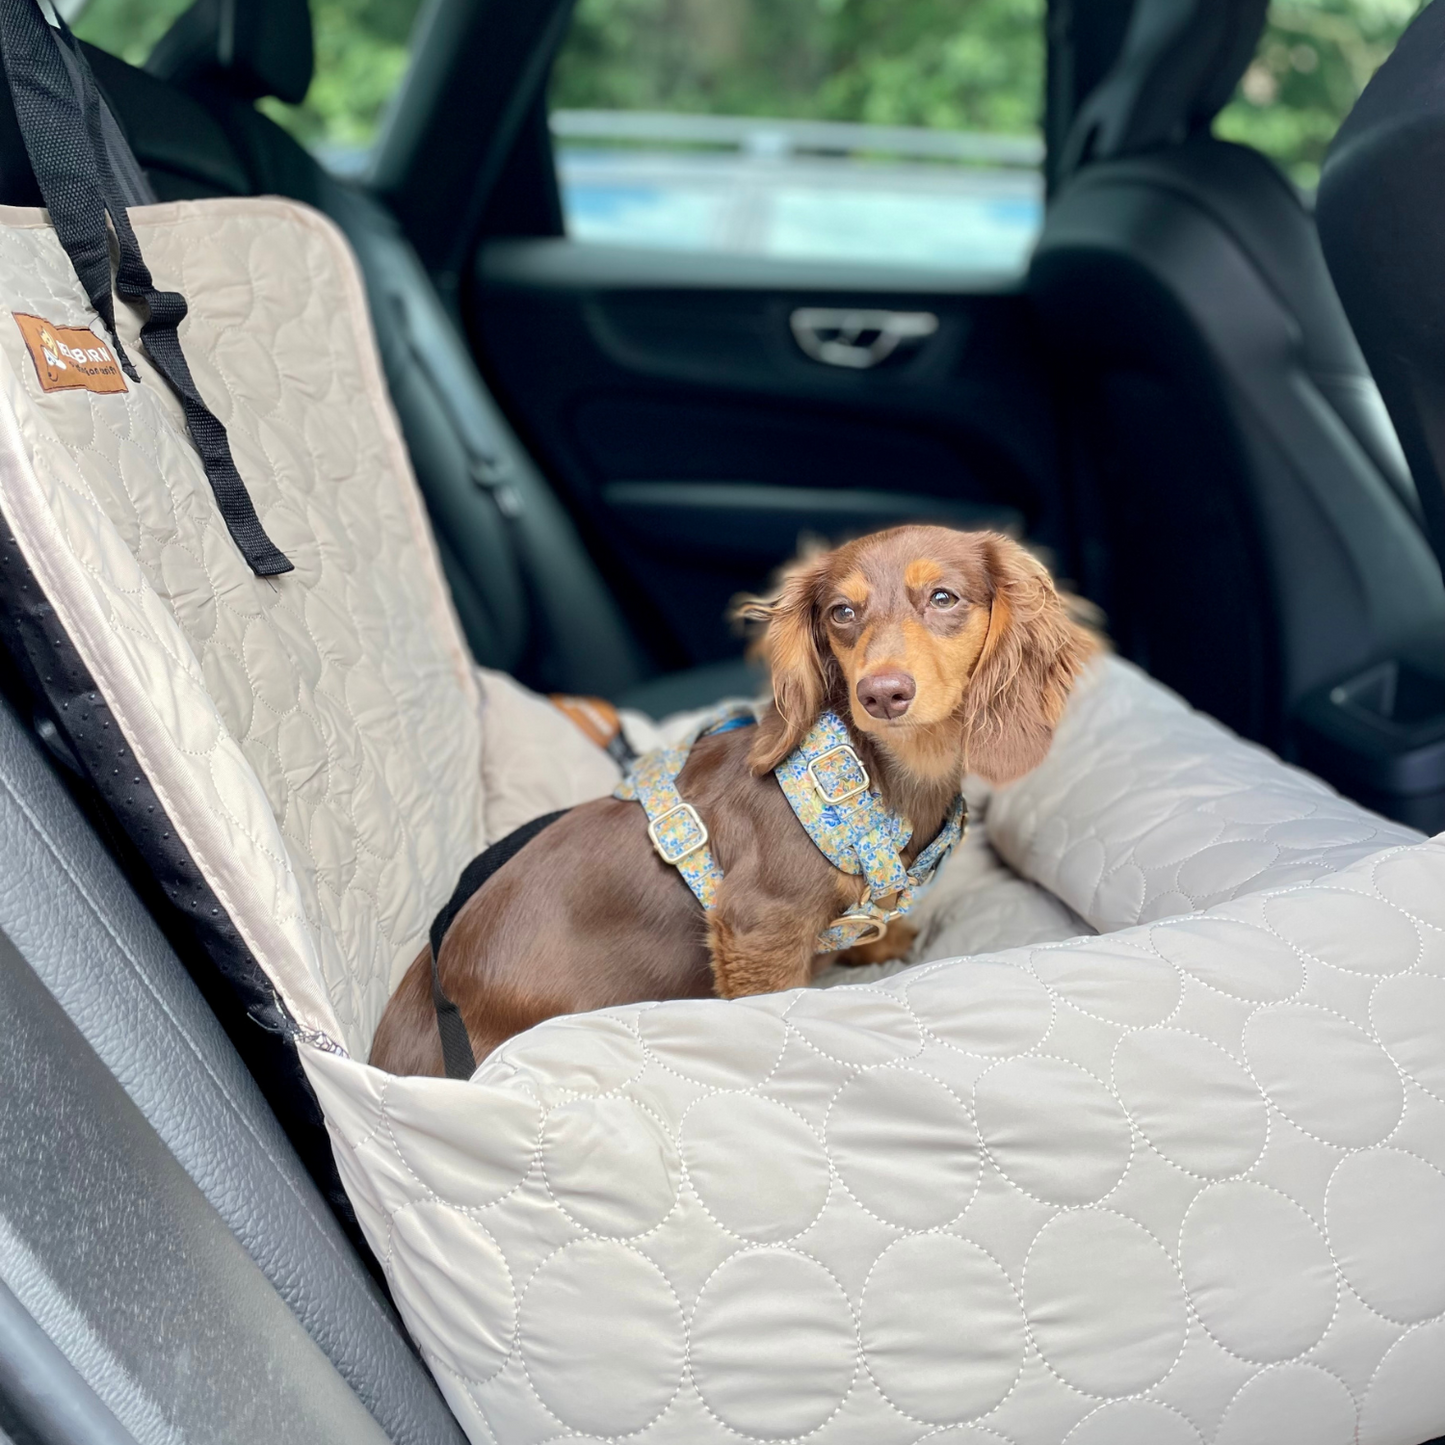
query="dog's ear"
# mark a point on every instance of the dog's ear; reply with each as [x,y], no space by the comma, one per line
[1032,654]
[797,660]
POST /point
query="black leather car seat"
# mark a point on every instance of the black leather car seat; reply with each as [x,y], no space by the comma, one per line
[1383,232]
[1245,514]
[530,598]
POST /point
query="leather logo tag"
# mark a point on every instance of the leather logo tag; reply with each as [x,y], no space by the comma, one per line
[70,358]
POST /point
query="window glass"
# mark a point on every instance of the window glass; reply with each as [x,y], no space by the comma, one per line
[1314,60]
[127,28]
[900,131]
[362,49]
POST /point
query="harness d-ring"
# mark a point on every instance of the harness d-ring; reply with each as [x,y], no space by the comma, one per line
[878,927]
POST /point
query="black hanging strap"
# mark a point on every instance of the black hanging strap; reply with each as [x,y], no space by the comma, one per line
[63,122]
[48,109]
[457,1055]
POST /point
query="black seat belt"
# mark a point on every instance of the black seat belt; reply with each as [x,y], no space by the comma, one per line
[71,140]
[457,1056]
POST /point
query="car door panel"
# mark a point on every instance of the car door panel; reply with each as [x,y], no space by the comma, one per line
[670,396]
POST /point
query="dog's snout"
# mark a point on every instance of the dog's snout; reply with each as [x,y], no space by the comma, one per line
[886,695]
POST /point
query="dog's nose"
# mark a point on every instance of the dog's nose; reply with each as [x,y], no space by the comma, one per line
[886,695]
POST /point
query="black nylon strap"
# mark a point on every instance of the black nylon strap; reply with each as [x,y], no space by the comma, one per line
[52,124]
[66,136]
[457,1055]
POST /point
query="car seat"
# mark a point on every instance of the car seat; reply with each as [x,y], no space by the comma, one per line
[872,1210]
[1254,531]
[1384,239]
[530,598]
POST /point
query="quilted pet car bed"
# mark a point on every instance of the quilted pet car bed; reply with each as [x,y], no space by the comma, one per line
[1160,1161]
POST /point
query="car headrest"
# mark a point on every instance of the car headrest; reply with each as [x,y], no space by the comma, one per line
[249,48]
[1178,66]
[1383,234]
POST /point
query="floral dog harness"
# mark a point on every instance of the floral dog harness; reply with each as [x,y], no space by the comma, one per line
[829,790]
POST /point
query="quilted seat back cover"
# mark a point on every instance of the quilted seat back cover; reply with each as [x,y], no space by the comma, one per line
[300,731]
[1178,1183]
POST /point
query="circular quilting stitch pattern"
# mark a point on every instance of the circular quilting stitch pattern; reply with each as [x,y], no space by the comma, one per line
[1018,1107]
[1175,840]
[931,1301]
[1133,1422]
[781,1188]
[904,1147]
[1354,1102]
[1385,1211]
[1234,957]
[961,1435]
[1408,1013]
[751,1304]
[602,1337]
[863,1026]
[1411,881]
[469,1157]
[1258,1271]
[573,1056]
[610,1164]
[1334,923]
[1111,983]
[983,1007]
[1218,871]
[1104,1303]
[1289,1402]
[732,1048]
[469,1315]
[1406,1398]
[1313,834]
[1191,1101]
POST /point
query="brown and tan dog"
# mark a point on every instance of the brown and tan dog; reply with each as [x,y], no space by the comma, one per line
[943,651]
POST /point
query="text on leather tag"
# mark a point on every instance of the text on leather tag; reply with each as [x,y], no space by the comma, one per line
[69,358]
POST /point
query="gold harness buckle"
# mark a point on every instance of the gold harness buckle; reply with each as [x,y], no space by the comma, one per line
[878,925]
[833,799]
[672,850]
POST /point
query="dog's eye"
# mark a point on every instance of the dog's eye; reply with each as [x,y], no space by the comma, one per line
[842,613]
[941,597]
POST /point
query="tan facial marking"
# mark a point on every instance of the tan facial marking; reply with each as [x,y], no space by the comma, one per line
[942,665]
[919,573]
[854,587]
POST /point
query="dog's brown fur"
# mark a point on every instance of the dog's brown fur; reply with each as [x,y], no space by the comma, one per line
[587,916]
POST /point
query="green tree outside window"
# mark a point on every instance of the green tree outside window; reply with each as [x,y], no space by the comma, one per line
[960,64]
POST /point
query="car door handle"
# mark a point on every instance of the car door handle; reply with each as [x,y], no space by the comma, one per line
[858,339]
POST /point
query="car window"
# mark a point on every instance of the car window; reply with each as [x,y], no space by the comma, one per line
[1312,63]
[362,50]
[896,131]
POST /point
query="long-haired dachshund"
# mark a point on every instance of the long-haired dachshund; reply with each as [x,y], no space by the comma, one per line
[943,651]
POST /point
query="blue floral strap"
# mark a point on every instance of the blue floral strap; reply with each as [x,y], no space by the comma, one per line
[828,788]
[677,832]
